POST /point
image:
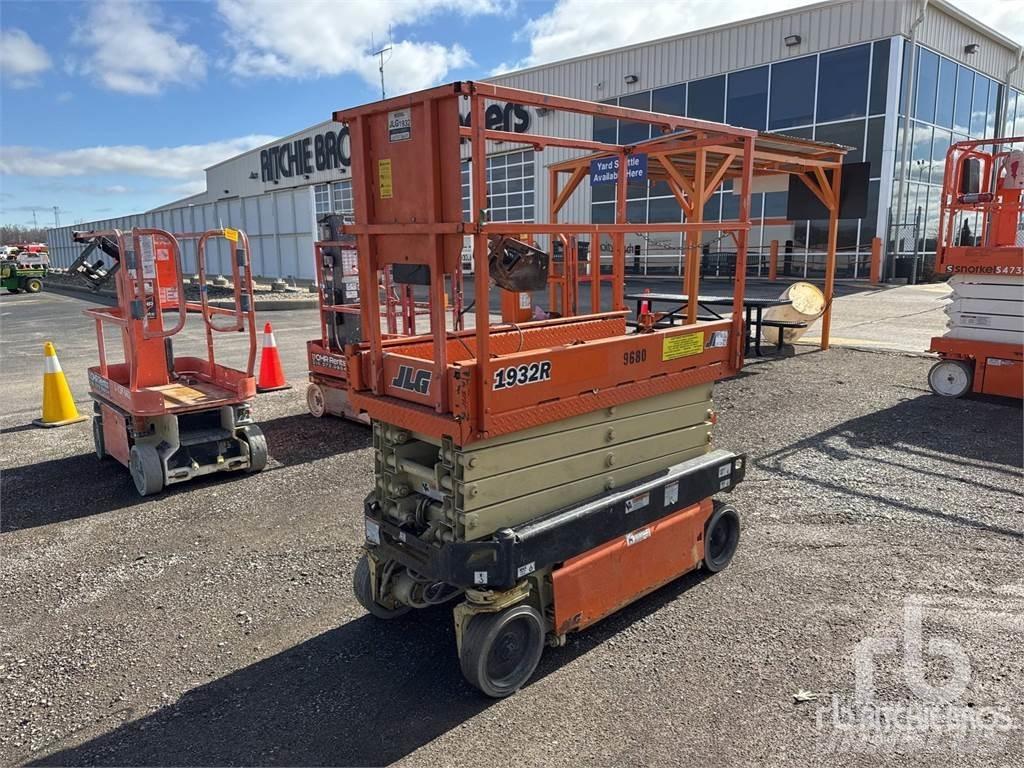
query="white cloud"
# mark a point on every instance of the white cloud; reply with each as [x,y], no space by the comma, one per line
[311,38]
[21,58]
[133,48]
[182,162]
[576,27]
[1004,16]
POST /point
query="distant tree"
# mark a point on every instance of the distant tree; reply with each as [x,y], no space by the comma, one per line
[15,233]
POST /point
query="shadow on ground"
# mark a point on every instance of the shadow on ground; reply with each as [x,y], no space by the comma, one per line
[973,441]
[79,486]
[366,693]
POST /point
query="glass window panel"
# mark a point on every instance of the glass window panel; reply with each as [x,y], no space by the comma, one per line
[792,98]
[498,214]
[731,206]
[993,102]
[528,213]
[496,174]
[322,199]
[873,151]
[748,98]
[670,100]
[497,187]
[515,199]
[514,172]
[921,152]
[636,212]
[604,130]
[946,93]
[515,185]
[939,146]
[528,182]
[962,105]
[630,133]
[775,205]
[979,106]
[602,213]
[843,83]
[879,77]
[660,189]
[927,81]
[712,208]
[601,193]
[634,191]
[664,210]
[850,133]
[527,198]
[515,214]
[1011,104]
[706,99]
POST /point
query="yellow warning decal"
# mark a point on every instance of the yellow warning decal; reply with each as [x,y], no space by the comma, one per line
[384,179]
[682,346]
[231,234]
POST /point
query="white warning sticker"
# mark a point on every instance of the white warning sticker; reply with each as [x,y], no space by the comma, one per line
[637,536]
[637,502]
[479,577]
[671,493]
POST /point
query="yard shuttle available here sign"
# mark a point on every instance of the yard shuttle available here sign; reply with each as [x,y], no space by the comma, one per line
[605,170]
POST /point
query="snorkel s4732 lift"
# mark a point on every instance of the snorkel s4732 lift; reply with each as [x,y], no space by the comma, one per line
[170,419]
[981,248]
[547,472]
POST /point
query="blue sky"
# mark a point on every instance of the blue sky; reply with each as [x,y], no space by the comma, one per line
[112,107]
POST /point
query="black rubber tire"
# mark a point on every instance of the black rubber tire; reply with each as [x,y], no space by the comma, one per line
[500,651]
[257,443]
[14,290]
[721,537]
[33,285]
[147,469]
[364,593]
[98,442]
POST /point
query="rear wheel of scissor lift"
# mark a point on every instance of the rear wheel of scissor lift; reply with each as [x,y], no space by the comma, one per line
[146,468]
[500,651]
[721,537]
[257,443]
[950,378]
[364,593]
[315,400]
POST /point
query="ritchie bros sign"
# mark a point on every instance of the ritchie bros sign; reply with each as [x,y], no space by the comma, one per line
[322,152]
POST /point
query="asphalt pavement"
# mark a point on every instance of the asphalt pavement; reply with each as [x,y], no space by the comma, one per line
[215,624]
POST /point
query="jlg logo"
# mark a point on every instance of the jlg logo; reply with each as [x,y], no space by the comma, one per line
[417,381]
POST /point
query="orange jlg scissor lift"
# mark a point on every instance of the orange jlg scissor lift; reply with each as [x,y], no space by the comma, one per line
[981,248]
[549,471]
[170,418]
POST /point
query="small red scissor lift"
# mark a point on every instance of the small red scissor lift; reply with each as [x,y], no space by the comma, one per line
[170,419]
[548,471]
[981,248]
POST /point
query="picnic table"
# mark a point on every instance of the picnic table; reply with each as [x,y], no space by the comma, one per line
[754,310]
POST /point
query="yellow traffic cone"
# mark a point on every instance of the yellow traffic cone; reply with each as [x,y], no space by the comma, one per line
[58,406]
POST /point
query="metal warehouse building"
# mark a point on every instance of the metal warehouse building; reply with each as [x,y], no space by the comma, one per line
[897,81]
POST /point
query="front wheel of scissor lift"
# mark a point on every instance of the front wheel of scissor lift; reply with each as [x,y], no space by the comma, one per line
[500,651]
[257,443]
[146,468]
[721,537]
[97,438]
[364,593]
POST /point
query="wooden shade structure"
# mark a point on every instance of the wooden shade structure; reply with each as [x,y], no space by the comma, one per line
[693,163]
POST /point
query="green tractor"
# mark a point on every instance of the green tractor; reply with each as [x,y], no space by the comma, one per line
[17,276]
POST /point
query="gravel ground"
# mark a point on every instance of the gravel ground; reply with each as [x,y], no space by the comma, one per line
[215,625]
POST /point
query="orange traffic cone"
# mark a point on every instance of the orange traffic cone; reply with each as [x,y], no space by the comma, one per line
[58,405]
[271,373]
